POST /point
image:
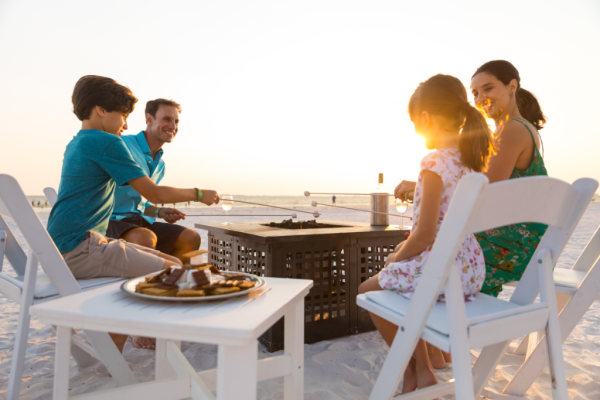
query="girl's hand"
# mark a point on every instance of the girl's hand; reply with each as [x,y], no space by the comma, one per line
[404,187]
[393,256]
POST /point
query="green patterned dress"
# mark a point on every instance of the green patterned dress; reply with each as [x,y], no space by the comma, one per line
[508,249]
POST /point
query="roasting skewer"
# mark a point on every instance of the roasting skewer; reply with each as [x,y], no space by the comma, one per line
[314,204]
[307,194]
[243,215]
[315,214]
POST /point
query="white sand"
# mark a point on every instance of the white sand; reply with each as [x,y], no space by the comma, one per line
[345,368]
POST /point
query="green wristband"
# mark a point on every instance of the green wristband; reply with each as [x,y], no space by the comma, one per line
[406,196]
[156,212]
[199,192]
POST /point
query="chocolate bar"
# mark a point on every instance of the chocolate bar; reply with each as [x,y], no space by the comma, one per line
[166,286]
[174,276]
[158,278]
[200,278]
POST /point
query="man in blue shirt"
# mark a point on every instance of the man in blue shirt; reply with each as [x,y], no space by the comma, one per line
[134,218]
[96,161]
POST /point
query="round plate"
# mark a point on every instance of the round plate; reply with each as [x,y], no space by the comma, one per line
[129,288]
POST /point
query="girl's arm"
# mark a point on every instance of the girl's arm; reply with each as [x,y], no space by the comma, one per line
[429,214]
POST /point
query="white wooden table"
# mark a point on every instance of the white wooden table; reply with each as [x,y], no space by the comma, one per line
[234,326]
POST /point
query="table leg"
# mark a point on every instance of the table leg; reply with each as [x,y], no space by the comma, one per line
[237,372]
[61,363]
[163,368]
[293,384]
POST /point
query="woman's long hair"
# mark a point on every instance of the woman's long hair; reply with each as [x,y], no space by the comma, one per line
[446,96]
[528,104]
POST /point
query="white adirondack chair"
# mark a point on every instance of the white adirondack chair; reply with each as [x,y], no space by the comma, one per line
[576,289]
[487,322]
[30,287]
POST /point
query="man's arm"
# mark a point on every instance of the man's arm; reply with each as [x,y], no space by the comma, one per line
[171,215]
[166,194]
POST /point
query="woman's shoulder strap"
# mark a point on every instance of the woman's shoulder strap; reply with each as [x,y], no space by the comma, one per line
[530,132]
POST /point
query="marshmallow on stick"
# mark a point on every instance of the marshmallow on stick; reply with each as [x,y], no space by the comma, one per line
[196,257]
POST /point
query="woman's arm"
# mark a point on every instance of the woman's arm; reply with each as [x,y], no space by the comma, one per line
[429,214]
[165,194]
[511,143]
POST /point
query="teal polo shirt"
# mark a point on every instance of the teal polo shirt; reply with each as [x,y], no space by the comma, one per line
[128,202]
[94,164]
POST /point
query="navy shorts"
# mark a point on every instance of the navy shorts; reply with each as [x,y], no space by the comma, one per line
[167,234]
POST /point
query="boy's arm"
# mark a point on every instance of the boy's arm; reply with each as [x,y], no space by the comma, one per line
[166,194]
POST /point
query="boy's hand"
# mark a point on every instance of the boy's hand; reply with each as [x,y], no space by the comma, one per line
[171,215]
[210,197]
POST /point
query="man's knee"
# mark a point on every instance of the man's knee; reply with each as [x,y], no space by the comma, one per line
[142,236]
[188,239]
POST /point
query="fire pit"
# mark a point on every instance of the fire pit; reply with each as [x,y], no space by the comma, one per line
[337,256]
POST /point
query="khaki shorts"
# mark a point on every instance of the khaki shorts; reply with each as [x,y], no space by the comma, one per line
[98,256]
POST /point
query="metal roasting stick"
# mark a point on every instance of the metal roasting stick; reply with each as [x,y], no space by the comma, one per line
[315,214]
[242,215]
[314,204]
[307,194]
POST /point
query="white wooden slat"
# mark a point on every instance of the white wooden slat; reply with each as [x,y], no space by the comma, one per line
[569,317]
[431,392]
[61,364]
[12,250]
[238,361]
[111,357]
[173,388]
[500,330]
[11,288]
[181,366]
[589,255]
[51,195]
[293,381]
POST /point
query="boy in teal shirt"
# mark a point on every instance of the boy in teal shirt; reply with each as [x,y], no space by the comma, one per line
[96,161]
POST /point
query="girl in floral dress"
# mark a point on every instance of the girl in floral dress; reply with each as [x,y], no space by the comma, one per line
[462,141]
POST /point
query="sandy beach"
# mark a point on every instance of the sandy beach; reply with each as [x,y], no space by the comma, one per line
[344,368]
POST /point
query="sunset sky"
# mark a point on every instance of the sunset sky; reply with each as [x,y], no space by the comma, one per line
[280,97]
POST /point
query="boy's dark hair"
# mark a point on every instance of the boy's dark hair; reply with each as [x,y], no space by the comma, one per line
[93,90]
[152,106]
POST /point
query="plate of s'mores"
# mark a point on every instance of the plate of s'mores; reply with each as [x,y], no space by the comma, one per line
[196,281]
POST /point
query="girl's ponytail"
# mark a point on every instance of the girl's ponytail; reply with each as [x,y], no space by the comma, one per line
[530,109]
[446,96]
[505,72]
[475,141]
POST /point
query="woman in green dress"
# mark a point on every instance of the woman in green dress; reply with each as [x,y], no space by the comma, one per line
[497,91]
[496,87]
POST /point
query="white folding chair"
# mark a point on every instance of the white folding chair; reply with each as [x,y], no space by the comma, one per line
[576,289]
[51,195]
[486,322]
[30,287]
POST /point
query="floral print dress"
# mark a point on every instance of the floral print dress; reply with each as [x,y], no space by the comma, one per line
[403,276]
[508,249]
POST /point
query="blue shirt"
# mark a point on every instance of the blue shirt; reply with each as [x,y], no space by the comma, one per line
[128,202]
[94,163]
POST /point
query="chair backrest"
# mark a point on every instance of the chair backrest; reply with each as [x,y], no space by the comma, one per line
[15,204]
[51,195]
[478,206]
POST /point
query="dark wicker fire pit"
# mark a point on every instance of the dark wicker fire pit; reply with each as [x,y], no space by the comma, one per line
[337,258]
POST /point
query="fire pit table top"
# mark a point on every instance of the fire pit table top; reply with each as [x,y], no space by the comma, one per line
[262,233]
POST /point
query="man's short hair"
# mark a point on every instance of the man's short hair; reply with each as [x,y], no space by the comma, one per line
[93,90]
[152,106]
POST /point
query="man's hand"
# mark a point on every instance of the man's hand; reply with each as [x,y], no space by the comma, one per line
[404,187]
[171,215]
[210,197]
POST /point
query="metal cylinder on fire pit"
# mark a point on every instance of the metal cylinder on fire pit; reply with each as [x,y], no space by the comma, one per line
[380,203]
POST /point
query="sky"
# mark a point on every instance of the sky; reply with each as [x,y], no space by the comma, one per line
[280,97]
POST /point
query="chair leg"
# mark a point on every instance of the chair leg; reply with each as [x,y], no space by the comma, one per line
[18,361]
[111,357]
